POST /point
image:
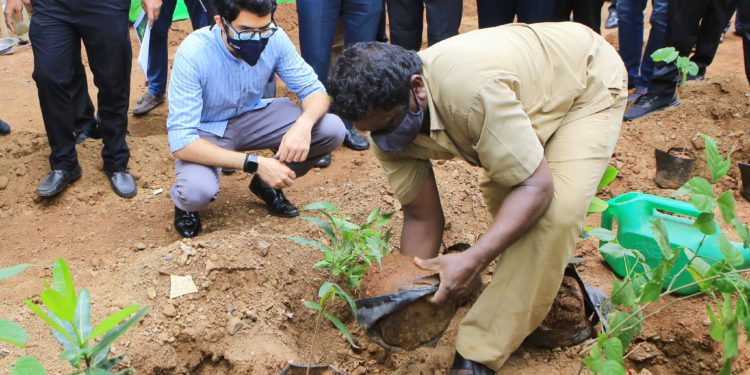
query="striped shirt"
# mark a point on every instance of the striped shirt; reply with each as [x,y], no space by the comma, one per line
[209,86]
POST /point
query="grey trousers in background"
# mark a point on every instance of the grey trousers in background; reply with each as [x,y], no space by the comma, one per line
[197,185]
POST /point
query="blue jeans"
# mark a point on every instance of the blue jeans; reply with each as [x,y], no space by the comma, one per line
[317,28]
[639,65]
[158,59]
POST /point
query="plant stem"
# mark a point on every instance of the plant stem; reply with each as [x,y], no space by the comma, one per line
[695,255]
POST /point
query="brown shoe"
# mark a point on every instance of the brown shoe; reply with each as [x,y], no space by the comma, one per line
[146,103]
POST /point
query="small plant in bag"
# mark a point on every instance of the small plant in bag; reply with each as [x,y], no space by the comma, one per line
[351,249]
[683,64]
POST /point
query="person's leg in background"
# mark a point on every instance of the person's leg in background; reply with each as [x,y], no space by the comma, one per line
[86,125]
[158,60]
[711,26]
[382,35]
[683,19]
[361,24]
[630,36]
[443,19]
[532,11]
[104,28]
[55,42]
[491,13]
[743,12]
[656,38]
[612,17]
[405,23]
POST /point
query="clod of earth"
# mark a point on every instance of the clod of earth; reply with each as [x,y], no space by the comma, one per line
[566,323]
[417,323]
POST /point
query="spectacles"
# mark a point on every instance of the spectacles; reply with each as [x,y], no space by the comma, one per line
[253,34]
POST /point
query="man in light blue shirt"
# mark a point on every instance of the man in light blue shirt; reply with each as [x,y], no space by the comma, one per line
[216,108]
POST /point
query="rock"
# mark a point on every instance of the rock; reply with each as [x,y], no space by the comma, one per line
[168,310]
[151,293]
[182,260]
[233,325]
[644,352]
[361,370]
[140,246]
[210,266]
[3,182]
[20,170]
[250,314]
[187,250]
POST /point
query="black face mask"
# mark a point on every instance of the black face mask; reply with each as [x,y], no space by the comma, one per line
[248,50]
[397,138]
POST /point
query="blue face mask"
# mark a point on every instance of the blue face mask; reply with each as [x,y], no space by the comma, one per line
[249,45]
[396,138]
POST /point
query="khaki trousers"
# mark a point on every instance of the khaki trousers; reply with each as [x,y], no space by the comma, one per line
[528,274]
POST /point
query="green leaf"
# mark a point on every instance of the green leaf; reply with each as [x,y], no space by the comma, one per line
[615,250]
[731,340]
[610,174]
[666,54]
[83,315]
[308,242]
[716,330]
[116,332]
[373,215]
[110,364]
[28,365]
[726,369]
[597,205]
[742,231]
[311,305]
[12,271]
[346,297]
[56,326]
[336,322]
[726,206]
[63,283]
[73,356]
[716,164]
[61,339]
[325,289]
[613,349]
[322,264]
[13,333]
[662,238]
[612,367]
[324,225]
[706,223]
[382,220]
[112,321]
[602,234]
[701,193]
[731,254]
[651,291]
[623,293]
[629,327]
[320,206]
[692,68]
[57,303]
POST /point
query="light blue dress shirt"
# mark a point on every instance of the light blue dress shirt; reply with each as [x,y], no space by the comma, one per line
[209,86]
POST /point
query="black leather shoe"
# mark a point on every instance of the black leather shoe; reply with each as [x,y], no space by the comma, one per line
[648,104]
[4,128]
[92,130]
[187,224]
[355,140]
[277,203]
[123,184]
[325,161]
[612,20]
[57,180]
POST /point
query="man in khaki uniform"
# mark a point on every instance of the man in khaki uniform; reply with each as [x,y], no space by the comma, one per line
[539,108]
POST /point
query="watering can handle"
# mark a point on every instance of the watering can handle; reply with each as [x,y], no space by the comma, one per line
[673,206]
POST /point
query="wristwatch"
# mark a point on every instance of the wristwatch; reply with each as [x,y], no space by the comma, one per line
[251,163]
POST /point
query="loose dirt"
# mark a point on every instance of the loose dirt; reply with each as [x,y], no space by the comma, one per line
[249,275]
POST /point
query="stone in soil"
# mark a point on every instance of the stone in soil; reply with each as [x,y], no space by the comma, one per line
[233,325]
[3,182]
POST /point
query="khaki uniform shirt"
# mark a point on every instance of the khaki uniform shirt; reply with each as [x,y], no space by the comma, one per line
[497,95]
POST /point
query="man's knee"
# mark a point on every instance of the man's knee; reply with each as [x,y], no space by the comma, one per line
[194,195]
[329,133]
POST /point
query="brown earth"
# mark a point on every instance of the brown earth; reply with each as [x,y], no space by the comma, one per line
[247,316]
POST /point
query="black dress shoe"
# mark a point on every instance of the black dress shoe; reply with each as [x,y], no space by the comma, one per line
[355,140]
[325,161]
[648,104]
[57,180]
[187,224]
[277,203]
[123,184]
[4,128]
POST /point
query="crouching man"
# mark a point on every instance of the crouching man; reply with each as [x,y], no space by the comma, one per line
[216,110]
[538,108]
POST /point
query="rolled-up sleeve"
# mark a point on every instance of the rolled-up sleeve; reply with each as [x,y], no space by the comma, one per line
[185,103]
[299,77]
[505,141]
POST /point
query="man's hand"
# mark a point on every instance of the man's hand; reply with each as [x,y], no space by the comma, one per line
[275,173]
[459,273]
[295,145]
[15,8]
[152,9]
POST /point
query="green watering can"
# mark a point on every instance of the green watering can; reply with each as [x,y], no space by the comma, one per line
[633,213]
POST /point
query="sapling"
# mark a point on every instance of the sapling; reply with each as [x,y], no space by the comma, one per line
[642,285]
[351,249]
[597,204]
[683,64]
[68,314]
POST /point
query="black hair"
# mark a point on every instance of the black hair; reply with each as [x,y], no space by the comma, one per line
[371,75]
[230,9]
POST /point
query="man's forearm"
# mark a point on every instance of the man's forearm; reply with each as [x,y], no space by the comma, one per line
[204,152]
[314,107]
